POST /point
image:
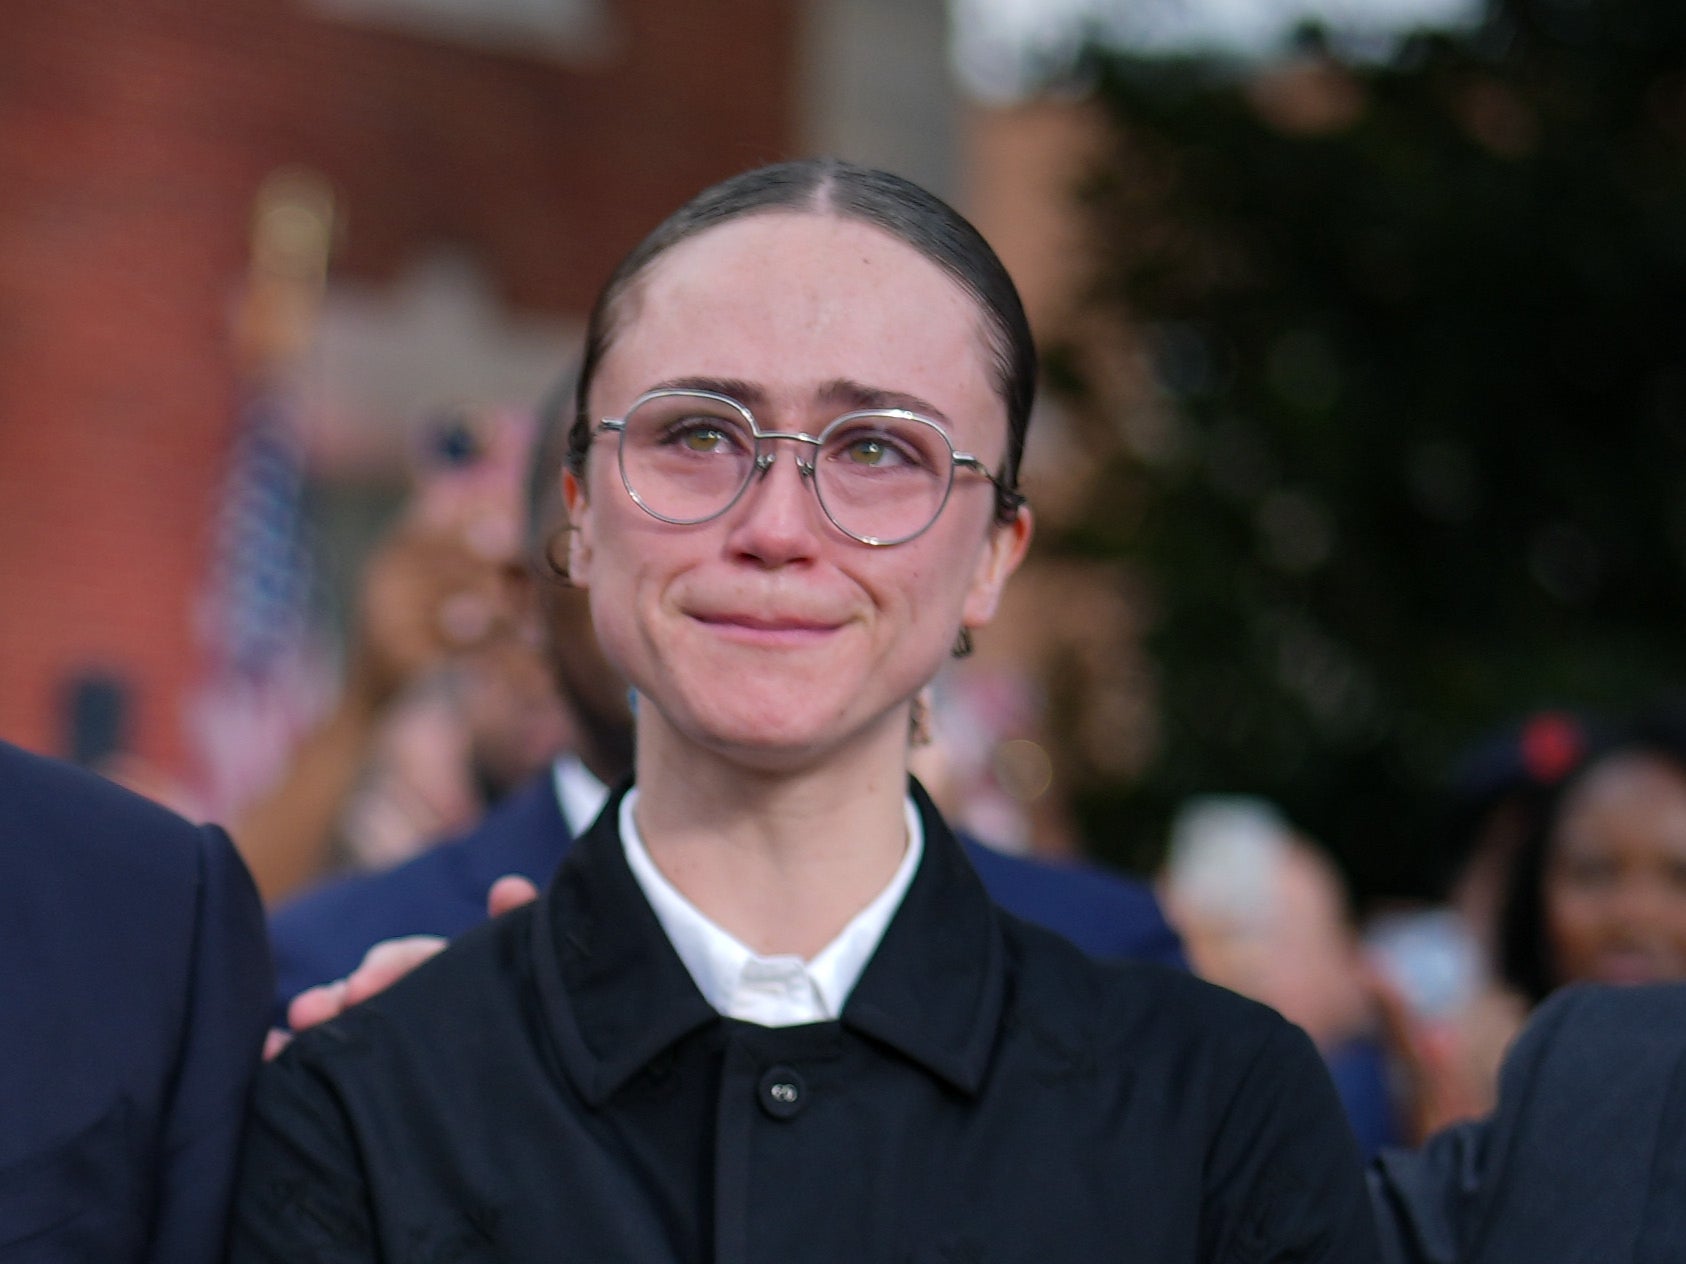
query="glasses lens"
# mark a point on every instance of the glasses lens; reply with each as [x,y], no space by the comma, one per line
[685,457]
[883,477]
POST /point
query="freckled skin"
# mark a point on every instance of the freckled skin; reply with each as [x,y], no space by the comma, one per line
[1615,881]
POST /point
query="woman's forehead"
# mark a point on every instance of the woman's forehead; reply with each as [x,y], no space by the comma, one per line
[818,235]
[796,302]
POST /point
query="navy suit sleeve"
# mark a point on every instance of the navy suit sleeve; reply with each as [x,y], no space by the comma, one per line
[225,1020]
[1429,1201]
[131,1019]
[1582,1159]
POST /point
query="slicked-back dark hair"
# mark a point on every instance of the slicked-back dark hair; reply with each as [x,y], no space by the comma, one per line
[898,207]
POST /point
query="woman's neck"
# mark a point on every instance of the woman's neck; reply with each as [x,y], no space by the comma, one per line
[781,860]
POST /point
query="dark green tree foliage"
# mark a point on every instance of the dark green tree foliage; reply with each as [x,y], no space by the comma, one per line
[1424,357]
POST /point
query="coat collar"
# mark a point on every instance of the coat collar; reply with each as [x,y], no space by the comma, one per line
[615,995]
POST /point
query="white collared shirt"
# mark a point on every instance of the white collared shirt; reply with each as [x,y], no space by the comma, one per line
[579,794]
[781,991]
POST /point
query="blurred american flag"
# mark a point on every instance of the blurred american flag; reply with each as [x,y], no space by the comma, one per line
[267,673]
[266,676]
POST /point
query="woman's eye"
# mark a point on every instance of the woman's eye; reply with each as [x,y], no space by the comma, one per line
[872,450]
[701,436]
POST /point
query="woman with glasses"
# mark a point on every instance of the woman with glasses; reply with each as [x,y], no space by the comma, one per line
[765,1011]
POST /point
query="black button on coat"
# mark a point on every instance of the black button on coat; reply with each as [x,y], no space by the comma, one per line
[554,1088]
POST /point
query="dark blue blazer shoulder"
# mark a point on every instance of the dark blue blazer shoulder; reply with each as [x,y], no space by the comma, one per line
[132,1011]
[323,934]
[1106,914]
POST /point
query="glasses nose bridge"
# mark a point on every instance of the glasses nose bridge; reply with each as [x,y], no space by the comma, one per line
[766,453]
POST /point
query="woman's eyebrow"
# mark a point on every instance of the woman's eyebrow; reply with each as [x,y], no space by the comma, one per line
[746,393]
[849,395]
[843,394]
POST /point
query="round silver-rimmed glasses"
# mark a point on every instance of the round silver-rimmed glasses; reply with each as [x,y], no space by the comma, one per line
[881,475]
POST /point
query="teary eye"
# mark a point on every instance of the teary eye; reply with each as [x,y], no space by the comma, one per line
[870,447]
[870,450]
[701,435]
[702,438]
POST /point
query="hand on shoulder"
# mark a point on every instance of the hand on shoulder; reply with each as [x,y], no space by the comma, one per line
[383,965]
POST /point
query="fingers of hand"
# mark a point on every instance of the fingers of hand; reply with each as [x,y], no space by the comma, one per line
[317,1005]
[382,966]
[386,963]
[510,892]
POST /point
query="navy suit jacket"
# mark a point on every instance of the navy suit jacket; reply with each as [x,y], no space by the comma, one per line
[323,935]
[1583,1160]
[133,1000]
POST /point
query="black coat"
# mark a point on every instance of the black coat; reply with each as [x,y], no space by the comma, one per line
[132,1002]
[1584,1159]
[554,1088]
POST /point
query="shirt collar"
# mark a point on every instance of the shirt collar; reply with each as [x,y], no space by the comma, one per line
[579,794]
[777,991]
[615,994]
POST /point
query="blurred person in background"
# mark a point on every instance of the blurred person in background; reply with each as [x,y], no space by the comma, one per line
[321,936]
[1595,893]
[444,706]
[1264,911]
[1498,788]
[1449,1013]
[1598,893]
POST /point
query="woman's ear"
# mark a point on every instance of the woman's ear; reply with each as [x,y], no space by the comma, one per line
[580,529]
[1002,553]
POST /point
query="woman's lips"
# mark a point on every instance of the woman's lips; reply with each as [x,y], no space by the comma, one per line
[762,628]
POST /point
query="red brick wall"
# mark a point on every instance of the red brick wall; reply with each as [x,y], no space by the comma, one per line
[133,137]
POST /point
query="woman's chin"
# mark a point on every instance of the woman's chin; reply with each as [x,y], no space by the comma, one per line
[776,735]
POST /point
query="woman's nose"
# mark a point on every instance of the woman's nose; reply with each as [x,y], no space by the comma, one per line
[779,517]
